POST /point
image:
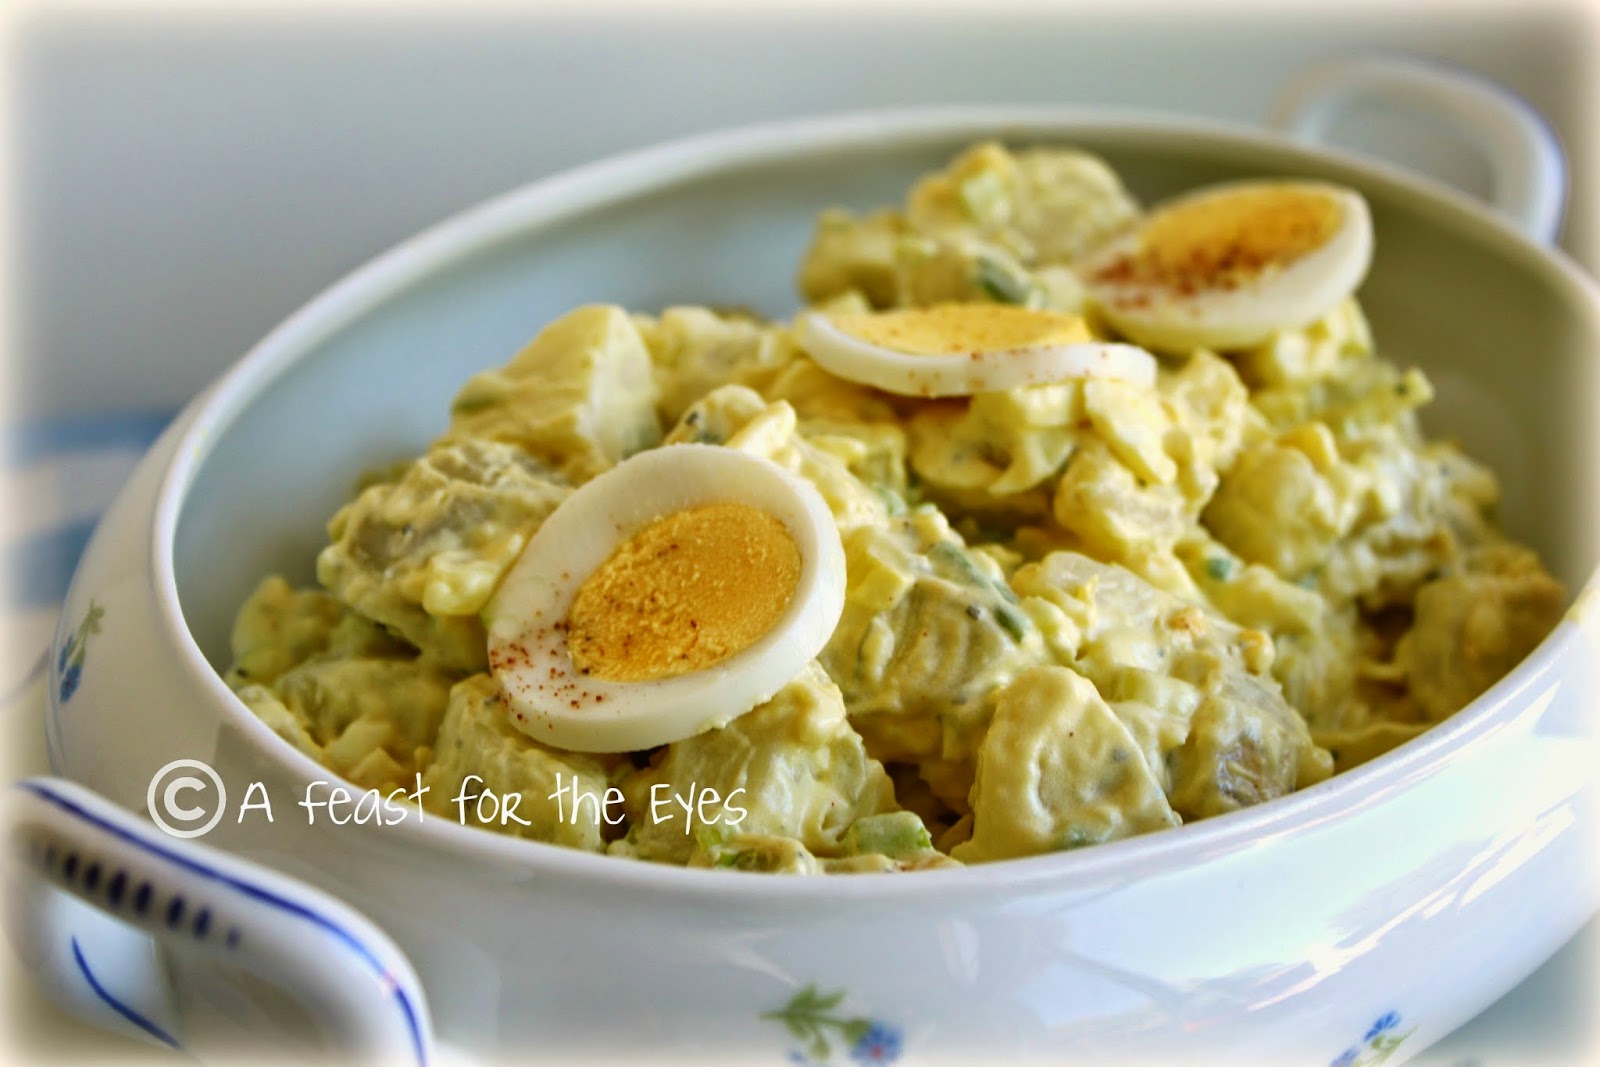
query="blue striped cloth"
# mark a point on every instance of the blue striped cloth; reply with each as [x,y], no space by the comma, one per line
[59,476]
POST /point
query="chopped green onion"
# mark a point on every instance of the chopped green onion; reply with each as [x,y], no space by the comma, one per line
[466,403]
[1012,622]
[892,501]
[1001,284]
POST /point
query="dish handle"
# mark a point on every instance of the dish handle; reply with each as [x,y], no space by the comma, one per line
[1526,165]
[100,901]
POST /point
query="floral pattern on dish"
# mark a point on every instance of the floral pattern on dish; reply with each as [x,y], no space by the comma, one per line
[813,1021]
[69,663]
[1377,1045]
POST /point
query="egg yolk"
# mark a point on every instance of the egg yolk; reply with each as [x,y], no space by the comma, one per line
[1220,241]
[684,593]
[946,329]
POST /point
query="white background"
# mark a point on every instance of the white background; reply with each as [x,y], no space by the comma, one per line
[183,178]
[179,178]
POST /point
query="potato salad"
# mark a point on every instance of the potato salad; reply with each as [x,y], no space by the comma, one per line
[1050,519]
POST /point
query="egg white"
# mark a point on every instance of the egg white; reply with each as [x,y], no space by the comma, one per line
[1287,297]
[546,695]
[965,373]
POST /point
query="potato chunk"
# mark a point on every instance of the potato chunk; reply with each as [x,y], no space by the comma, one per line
[370,720]
[423,554]
[477,738]
[791,768]
[580,395]
[1475,625]
[1058,770]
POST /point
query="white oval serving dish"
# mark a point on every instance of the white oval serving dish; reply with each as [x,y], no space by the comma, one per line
[1373,912]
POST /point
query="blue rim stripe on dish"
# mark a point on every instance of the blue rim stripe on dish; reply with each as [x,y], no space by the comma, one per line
[118,1006]
[254,892]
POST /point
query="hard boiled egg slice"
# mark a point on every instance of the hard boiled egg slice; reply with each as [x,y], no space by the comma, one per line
[667,596]
[1229,265]
[957,349]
